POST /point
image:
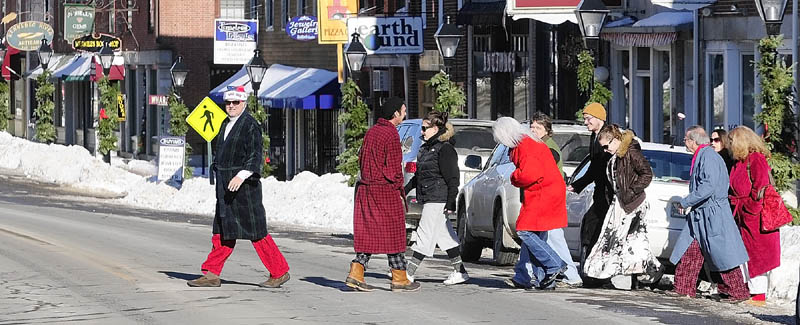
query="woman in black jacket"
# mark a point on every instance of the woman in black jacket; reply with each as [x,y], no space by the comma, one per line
[436,181]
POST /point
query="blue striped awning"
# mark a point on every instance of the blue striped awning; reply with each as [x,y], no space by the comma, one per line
[288,87]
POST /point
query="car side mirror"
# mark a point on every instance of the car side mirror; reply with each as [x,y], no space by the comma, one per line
[473,161]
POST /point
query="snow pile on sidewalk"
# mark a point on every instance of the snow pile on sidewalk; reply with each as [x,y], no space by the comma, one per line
[308,200]
[783,280]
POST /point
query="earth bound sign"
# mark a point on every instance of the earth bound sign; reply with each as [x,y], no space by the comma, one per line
[303,28]
[28,35]
[78,21]
[388,35]
[92,43]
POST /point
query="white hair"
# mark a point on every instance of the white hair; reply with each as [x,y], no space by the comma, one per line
[510,132]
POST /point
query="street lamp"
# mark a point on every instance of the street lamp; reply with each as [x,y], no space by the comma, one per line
[591,15]
[771,12]
[106,58]
[447,37]
[178,72]
[256,69]
[356,55]
[45,53]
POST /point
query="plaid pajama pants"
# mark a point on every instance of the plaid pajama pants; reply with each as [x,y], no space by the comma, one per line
[397,261]
[689,267]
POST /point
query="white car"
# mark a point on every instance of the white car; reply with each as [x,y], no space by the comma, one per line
[489,205]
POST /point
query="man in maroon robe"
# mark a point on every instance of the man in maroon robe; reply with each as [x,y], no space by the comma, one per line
[379,212]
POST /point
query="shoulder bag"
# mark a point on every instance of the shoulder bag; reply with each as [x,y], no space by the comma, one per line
[774,213]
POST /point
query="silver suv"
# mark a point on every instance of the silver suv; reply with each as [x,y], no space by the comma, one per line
[472,137]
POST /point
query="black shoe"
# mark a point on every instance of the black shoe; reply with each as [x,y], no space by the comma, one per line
[514,284]
[550,278]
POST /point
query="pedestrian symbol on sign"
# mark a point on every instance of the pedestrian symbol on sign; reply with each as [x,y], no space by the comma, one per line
[209,116]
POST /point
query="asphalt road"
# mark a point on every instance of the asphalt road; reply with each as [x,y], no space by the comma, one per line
[67,259]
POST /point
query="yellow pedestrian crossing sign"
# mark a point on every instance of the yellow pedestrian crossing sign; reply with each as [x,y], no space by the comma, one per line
[206,119]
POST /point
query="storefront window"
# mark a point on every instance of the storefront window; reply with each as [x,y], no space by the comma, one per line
[748,88]
[520,98]
[483,100]
[717,88]
[666,109]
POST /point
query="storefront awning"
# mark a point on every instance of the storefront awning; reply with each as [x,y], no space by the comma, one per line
[547,11]
[57,62]
[287,87]
[79,68]
[482,13]
[657,30]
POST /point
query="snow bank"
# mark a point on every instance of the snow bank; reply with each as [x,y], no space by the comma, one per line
[783,280]
[308,200]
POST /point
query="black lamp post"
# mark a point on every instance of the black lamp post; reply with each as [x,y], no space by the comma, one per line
[447,37]
[591,15]
[106,59]
[178,73]
[356,55]
[45,53]
[771,12]
[256,69]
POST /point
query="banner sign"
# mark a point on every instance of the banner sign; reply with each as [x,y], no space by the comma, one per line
[303,28]
[121,116]
[78,21]
[170,157]
[388,35]
[234,40]
[28,35]
[332,17]
[157,100]
[499,62]
[93,43]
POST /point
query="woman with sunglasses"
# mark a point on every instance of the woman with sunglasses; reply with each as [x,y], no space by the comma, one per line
[719,140]
[436,181]
[623,247]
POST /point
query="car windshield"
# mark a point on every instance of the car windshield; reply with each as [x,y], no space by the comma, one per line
[574,146]
[474,138]
[669,166]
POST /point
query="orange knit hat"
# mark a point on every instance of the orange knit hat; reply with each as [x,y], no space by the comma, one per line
[595,109]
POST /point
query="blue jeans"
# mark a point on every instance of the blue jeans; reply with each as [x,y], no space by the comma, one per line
[555,238]
[536,258]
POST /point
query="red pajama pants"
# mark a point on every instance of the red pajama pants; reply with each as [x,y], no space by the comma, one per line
[689,267]
[265,247]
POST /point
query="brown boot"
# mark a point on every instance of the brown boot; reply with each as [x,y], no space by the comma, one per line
[355,279]
[400,282]
[275,282]
[207,280]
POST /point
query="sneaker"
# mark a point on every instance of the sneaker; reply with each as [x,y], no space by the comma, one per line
[550,278]
[207,280]
[569,285]
[275,282]
[514,284]
[455,278]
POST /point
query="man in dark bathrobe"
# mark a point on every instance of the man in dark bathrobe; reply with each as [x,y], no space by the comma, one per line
[240,210]
[379,213]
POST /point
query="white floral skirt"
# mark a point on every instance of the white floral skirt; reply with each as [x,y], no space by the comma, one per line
[623,247]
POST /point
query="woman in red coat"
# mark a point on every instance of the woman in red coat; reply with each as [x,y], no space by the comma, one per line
[764,249]
[544,203]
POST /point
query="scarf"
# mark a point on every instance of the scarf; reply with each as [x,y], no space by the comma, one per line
[694,156]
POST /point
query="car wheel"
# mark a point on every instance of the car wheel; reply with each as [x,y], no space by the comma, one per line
[470,247]
[501,254]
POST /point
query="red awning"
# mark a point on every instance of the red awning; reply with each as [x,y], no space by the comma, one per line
[117,71]
[7,61]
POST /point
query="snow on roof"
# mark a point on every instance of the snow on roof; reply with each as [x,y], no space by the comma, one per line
[662,19]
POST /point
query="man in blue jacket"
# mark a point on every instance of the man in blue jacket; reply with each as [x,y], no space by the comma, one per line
[710,231]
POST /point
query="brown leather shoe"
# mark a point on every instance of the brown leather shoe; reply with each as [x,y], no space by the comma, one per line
[207,280]
[400,282]
[355,279]
[275,282]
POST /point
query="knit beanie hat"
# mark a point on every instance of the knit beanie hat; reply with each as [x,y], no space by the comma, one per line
[596,110]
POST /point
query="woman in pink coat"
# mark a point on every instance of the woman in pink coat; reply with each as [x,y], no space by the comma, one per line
[747,187]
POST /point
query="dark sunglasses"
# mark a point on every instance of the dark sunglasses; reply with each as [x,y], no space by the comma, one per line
[605,147]
[716,139]
[234,102]
[425,128]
